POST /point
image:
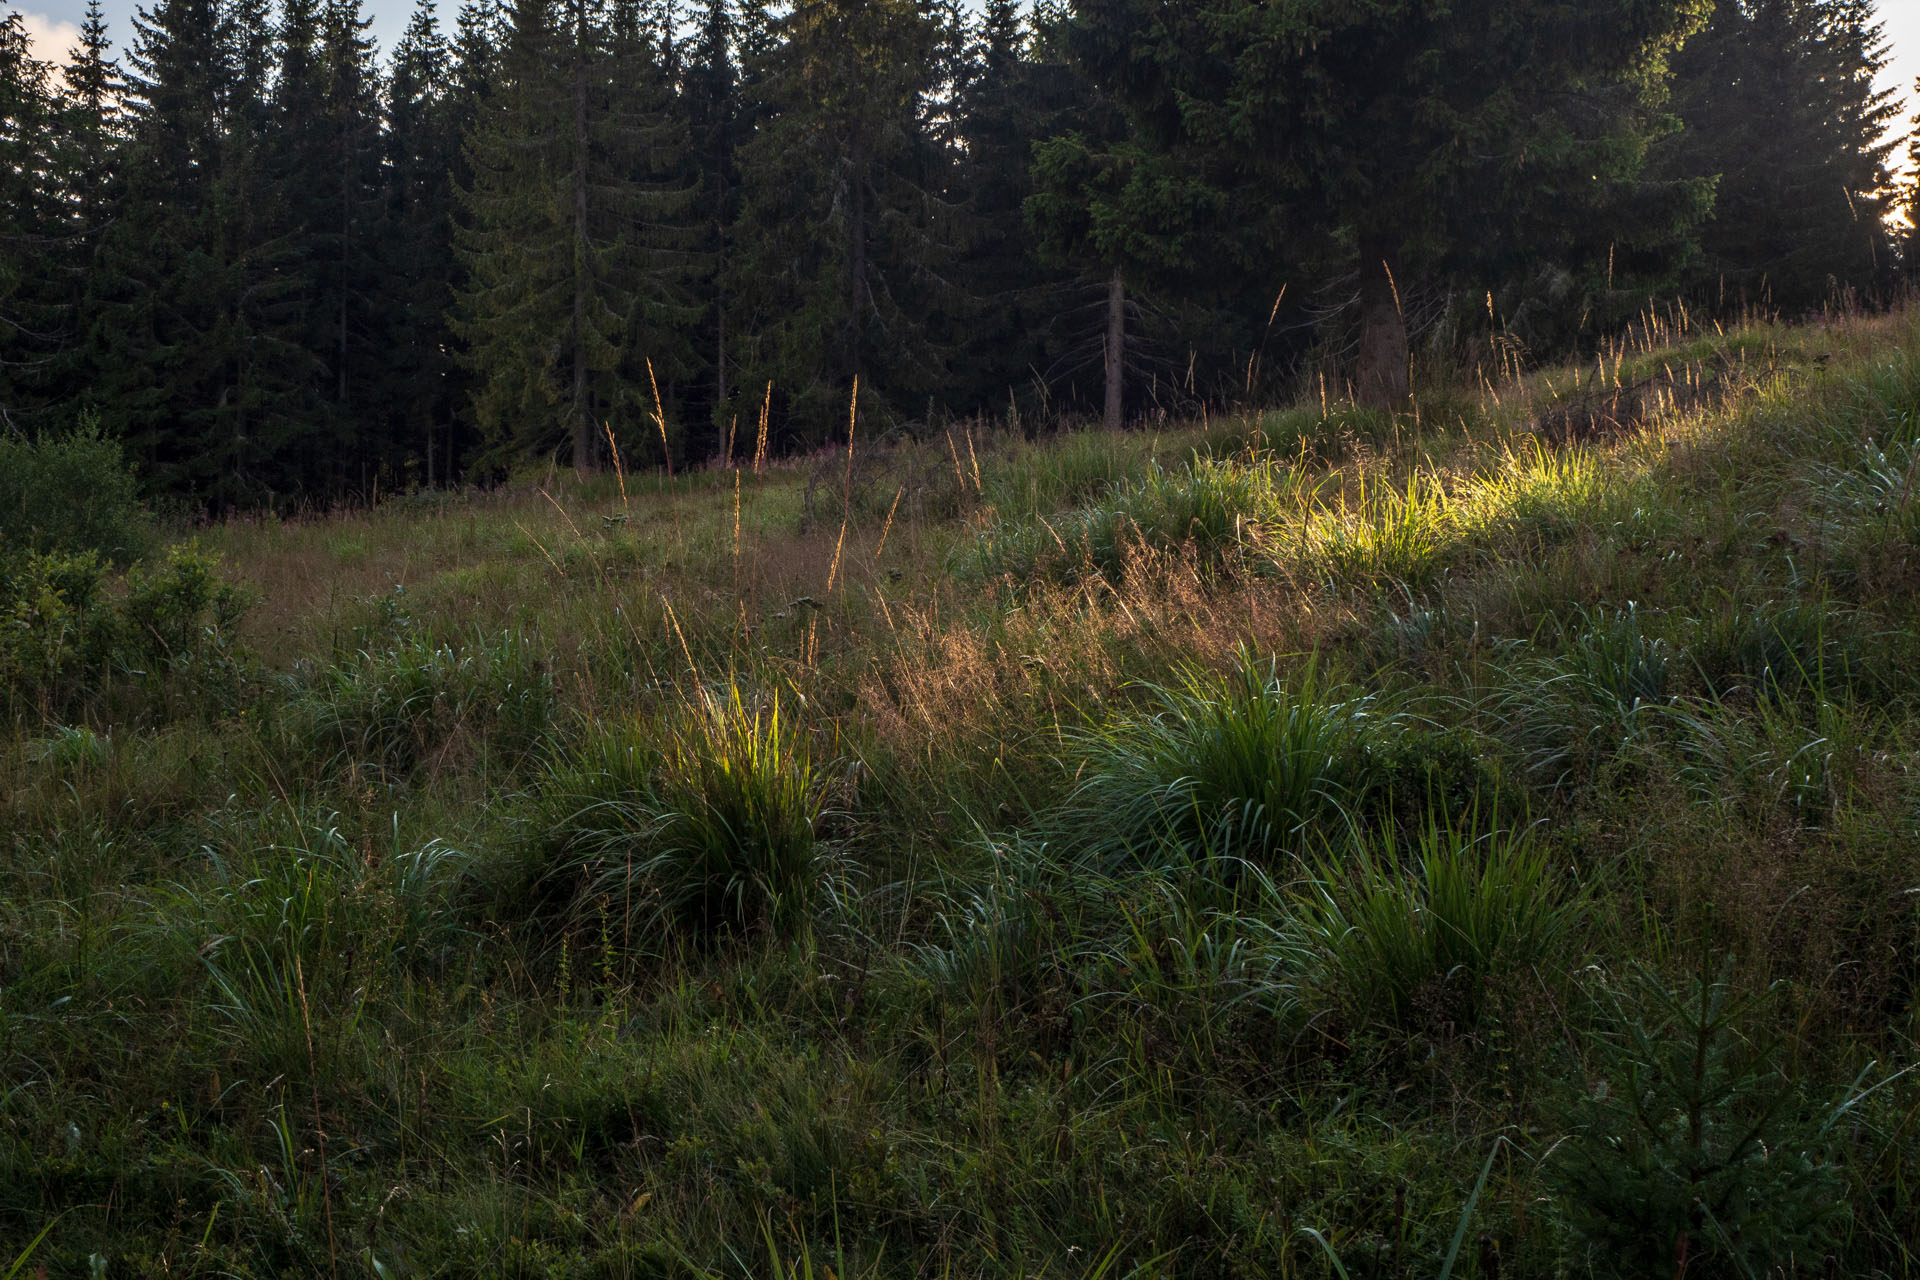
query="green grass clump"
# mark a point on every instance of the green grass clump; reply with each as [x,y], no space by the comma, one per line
[1254,765]
[1384,534]
[1068,471]
[1219,510]
[1778,649]
[419,704]
[1414,935]
[1609,685]
[714,827]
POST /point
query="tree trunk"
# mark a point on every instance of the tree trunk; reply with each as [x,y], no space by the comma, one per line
[1116,349]
[1384,374]
[346,250]
[583,437]
[720,302]
[860,292]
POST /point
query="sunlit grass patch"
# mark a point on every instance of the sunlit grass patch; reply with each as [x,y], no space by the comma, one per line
[709,821]
[1384,532]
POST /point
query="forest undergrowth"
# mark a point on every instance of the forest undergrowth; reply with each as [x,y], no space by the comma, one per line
[1477,841]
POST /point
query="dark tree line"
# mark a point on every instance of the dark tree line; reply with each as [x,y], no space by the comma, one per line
[276,268]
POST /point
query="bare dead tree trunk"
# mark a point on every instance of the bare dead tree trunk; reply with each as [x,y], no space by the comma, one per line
[1116,350]
[1384,374]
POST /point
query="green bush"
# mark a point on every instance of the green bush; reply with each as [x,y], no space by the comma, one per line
[68,494]
[70,646]
[712,828]
[1691,1150]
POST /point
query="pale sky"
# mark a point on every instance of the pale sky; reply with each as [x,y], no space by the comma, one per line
[53,25]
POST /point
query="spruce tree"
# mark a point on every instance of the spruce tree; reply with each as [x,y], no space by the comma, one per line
[1910,201]
[845,230]
[420,386]
[165,353]
[643,129]
[1779,107]
[563,236]
[32,229]
[347,210]
[90,127]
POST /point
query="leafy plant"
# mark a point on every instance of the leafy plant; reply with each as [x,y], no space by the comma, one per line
[69,494]
[68,643]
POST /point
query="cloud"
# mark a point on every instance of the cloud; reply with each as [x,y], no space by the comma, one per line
[49,39]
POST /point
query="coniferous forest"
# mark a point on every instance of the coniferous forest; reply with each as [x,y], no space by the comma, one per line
[280,269]
[885,639]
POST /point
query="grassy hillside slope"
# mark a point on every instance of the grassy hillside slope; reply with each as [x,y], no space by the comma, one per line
[1481,842]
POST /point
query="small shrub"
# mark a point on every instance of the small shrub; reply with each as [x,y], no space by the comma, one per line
[1412,936]
[713,828]
[69,494]
[69,646]
[1692,1151]
[1419,771]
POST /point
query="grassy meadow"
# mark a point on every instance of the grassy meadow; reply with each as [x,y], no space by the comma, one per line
[1478,842]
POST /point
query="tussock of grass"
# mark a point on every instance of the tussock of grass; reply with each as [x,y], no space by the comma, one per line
[392,711]
[711,823]
[1415,936]
[1251,765]
[1219,509]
